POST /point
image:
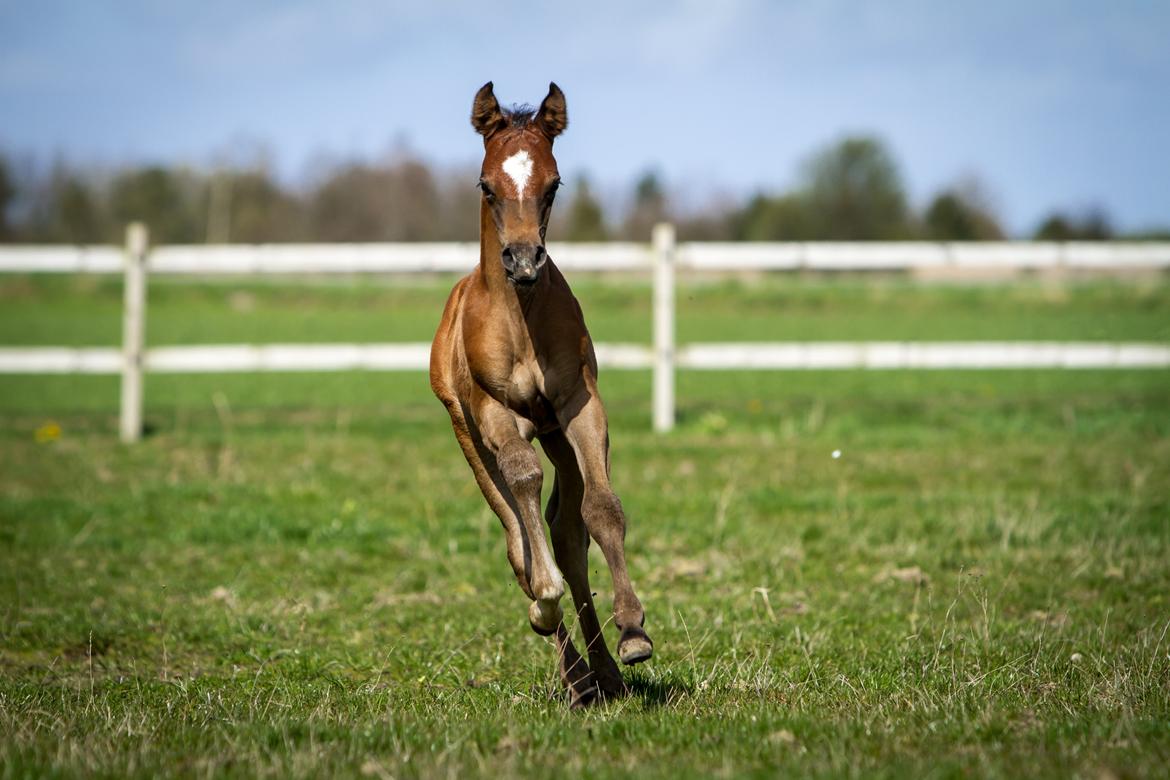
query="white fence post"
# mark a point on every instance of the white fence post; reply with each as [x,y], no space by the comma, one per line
[663,397]
[133,332]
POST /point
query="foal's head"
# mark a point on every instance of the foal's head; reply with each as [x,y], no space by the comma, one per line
[519,176]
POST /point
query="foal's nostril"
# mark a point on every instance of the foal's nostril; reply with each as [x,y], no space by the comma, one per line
[540,255]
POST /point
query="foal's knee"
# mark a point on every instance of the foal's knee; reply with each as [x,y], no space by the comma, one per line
[520,466]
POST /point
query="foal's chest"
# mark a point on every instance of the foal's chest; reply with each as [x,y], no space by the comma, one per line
[524,393]
[515,372]
[525,382]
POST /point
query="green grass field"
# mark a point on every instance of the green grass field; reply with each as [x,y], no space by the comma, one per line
[86,311]
[294,575]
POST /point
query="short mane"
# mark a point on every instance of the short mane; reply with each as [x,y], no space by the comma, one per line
[520,115]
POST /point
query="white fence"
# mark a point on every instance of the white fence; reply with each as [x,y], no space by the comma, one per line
[609,256]
[661,258]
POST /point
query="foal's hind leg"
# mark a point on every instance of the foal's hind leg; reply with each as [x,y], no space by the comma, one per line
[575,673]
[570,545]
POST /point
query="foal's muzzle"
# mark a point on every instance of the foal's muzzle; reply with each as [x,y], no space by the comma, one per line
[522,262]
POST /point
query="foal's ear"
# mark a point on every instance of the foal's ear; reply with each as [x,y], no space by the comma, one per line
[486,116]
[552,116]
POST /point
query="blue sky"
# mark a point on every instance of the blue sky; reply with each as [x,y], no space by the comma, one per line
[1051,104]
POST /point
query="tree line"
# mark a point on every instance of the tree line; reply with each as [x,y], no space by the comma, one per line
[850,190]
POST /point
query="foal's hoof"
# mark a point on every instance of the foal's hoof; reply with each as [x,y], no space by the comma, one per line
[543,618]
[541,631]
[634,646]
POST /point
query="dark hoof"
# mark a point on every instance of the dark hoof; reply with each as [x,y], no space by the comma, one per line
[583,699]
[634,646]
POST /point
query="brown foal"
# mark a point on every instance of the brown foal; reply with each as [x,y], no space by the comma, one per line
[513,361]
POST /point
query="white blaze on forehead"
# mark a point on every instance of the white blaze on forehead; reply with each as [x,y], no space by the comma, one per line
[519,168]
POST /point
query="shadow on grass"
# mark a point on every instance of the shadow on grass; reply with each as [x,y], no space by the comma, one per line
[657,693]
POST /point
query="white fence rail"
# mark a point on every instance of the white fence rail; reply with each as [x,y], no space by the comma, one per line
[813,356]
[662,258]
[609,256]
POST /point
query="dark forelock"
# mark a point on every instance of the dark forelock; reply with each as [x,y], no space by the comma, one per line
[521,115]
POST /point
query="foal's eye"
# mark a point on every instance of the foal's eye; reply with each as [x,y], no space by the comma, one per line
[487,191]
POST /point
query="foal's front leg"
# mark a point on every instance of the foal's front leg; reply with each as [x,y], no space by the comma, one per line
[575,673]
[584,423]
[519,465]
